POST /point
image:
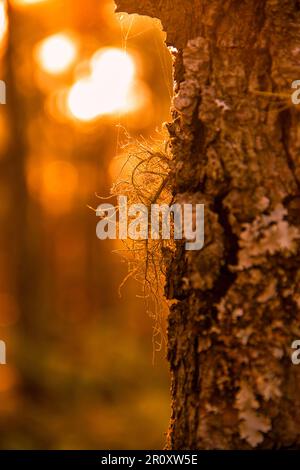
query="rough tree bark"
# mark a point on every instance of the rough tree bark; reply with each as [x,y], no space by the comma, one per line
[238,299]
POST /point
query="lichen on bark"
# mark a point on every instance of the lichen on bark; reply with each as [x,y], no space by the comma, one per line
[238,300]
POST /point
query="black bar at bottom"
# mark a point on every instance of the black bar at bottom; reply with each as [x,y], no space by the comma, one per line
[136,459]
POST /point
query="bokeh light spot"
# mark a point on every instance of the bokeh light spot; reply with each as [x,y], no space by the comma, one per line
[3,20]
[56,53]
[108,89]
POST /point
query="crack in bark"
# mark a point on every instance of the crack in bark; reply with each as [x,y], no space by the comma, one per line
[227,277]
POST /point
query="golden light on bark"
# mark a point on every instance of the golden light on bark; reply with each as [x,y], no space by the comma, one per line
[56,53]
[108,89]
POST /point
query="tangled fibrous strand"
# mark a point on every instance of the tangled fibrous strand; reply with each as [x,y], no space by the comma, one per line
[144,178]
[278,102]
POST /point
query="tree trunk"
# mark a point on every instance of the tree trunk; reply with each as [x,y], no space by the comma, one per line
[238,151]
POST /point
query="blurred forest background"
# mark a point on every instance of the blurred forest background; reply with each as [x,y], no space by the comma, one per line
[79,372]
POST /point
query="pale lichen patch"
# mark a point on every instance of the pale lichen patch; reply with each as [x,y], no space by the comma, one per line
[252,424]
[267,235]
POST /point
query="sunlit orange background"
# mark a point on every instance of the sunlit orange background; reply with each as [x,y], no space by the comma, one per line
[79,371]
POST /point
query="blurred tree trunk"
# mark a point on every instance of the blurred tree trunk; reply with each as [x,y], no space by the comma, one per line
[23,265]
[238,151]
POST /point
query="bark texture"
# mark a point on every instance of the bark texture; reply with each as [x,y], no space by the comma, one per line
[238,299]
